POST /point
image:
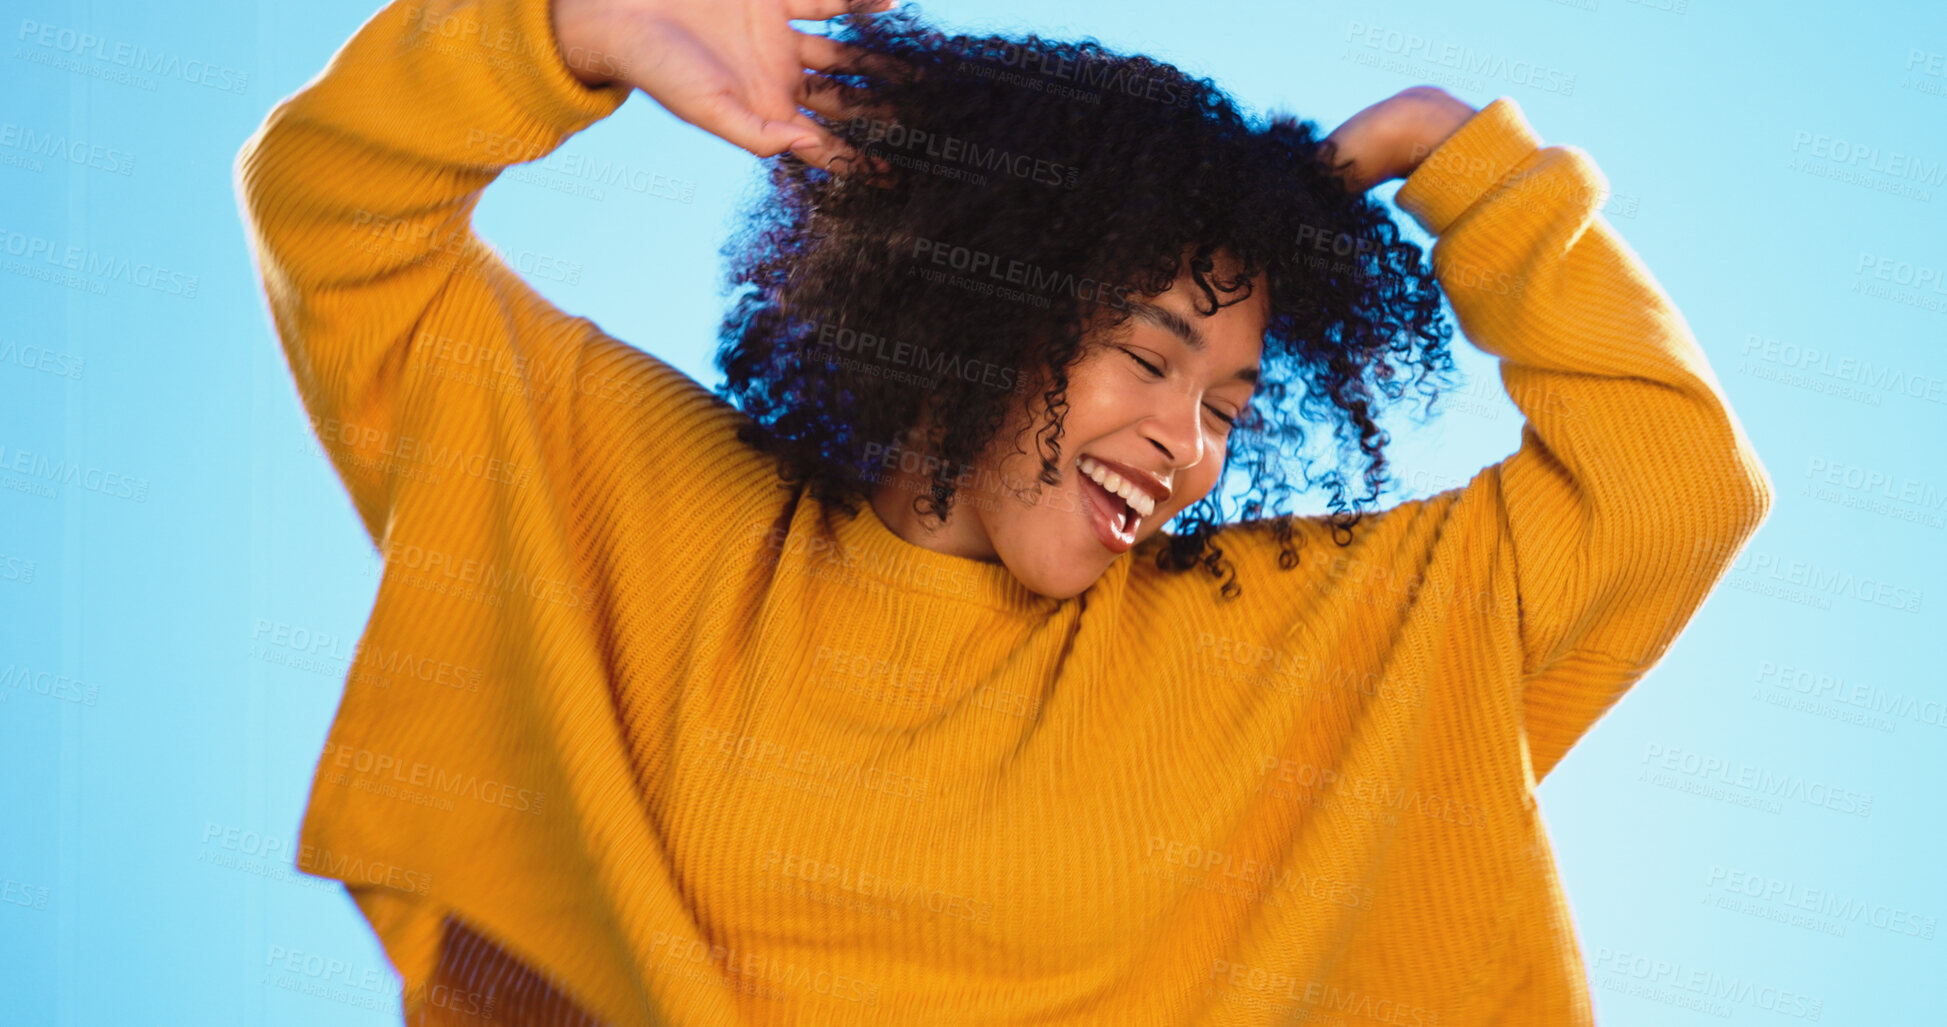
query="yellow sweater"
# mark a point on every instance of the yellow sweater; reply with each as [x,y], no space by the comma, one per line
[676,738]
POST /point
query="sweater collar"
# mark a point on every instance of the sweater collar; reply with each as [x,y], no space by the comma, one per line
[875,550]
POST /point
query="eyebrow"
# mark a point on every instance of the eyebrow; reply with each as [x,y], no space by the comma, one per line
[1171,321]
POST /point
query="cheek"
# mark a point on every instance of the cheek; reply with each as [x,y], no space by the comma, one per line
[1022,506]
[1193,491]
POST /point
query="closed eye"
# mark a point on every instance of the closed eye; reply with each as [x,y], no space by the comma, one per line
[1229,422]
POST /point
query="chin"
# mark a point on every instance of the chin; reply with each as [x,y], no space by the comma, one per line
[1066,581]
[1063,591]
[1055,558]
[1074,589]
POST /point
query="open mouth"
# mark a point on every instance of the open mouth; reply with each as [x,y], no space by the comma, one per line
[1126,517]
[1114,518]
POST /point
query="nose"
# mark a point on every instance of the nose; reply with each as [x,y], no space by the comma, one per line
[1177,432]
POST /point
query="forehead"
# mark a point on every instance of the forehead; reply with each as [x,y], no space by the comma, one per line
[1184,309]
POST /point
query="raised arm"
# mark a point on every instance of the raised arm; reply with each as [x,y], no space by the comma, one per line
[358,193]
[1634,485]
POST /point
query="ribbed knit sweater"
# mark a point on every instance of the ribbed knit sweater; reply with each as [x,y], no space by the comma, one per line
[691,747]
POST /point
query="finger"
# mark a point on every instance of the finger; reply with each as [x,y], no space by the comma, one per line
[728,117]
[834,155]
[821,53]
[812,143]
[839,103]
[832,98]
[765,137]
[1343,164]
[821,10]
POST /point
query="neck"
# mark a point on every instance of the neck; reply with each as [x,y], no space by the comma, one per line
[961,534]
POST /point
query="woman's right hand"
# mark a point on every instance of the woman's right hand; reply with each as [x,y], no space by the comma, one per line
[1391,138]
[733,68]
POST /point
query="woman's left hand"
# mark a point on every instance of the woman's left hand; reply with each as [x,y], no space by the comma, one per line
[1390,138]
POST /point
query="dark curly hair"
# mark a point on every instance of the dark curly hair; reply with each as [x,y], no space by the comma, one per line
[1026,189]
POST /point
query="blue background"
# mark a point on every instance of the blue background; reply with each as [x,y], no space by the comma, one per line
[152,800]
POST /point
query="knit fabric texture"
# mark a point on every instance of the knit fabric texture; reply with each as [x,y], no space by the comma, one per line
[636,734]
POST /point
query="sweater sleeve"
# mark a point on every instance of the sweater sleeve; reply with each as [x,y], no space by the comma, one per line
[358,193]
[1634,485]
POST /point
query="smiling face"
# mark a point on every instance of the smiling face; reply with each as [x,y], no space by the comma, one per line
[1152,400]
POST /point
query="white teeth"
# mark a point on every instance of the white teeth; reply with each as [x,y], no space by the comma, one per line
[1141,501]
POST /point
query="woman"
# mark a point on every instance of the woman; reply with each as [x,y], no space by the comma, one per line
[882,697]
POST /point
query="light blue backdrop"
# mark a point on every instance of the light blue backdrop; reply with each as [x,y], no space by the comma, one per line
[175,621]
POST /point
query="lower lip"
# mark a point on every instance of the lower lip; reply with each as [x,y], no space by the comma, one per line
[1105,511]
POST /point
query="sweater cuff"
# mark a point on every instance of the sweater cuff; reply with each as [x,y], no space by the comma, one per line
[1467,164]
[517,38]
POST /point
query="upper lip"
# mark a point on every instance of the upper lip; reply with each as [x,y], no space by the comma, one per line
[1144,480]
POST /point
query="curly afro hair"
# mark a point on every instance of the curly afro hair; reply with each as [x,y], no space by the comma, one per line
[1025,189]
